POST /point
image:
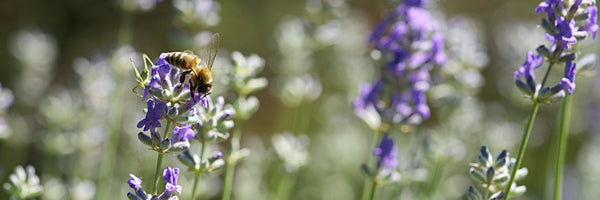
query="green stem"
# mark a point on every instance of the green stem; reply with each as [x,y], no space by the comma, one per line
[562,147]
[234,146]
[157,172]
[198,172]
[159,161]
[109,156]
[373,190]
[368,184]
[437,176]
[286,183]
[528,129]
[546,74]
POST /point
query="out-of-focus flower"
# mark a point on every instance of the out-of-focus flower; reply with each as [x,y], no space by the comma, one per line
[23,183]
[412,49]
[292,150]
[193,11]
[494,174]
[387,156]
[6,100]
[27,46]
[213,123]
[386,165]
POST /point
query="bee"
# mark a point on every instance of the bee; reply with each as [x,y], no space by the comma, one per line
[197,70]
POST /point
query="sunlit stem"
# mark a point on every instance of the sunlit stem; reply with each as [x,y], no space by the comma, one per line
[374,186]
[528,129]
[368,185]
[198,171]
[234,146]
[562,146]
[159,162]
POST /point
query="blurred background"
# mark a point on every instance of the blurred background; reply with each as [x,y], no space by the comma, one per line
[67,82]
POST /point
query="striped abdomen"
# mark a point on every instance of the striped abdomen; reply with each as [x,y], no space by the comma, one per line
[184,60]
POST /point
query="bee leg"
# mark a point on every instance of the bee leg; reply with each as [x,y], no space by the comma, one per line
[192,93]
[183,76]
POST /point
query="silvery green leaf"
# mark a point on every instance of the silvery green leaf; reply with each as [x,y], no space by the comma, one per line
[145,139]
[501,178]
[521,174]
[473,194]
[477,175]
[186,159]
[497,196]
[517,191]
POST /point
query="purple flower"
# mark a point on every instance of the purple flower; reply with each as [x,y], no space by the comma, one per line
[170,176]
[412,49]
[437,51]
[156,110]
[415,3]
[134,182]
[420,102]
[164,84]
[531,63]
[369,95]
[567,82]
[548,7]
[591,24]
[386,154]
[183,134]
[419,20]
[564,38]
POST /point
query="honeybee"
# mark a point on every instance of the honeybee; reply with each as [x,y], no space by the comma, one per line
[197,69]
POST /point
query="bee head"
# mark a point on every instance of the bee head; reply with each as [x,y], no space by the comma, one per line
[205,88]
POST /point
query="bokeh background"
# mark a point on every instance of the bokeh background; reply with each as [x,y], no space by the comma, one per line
[67,66]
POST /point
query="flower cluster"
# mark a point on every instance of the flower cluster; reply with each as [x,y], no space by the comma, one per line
[494,174]
[386,163]
[170,176]
[23,183]
[167,98]
[193,115]
[291,150]
[412,49]
[243,80]
[565,24]
[6,100]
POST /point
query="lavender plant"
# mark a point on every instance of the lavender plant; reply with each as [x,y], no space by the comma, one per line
[493,176]
[170,176]
[566,23]
[412,50]
[23,184]
[193,117]
[242,80]
[385,166]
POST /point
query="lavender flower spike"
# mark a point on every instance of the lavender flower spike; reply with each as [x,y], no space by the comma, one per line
[135,183]
[412,49]
[170,176]
[568,82]
[156,110]
[386,154]
[531,63]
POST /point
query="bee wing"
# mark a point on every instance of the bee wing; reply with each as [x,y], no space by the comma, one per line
[190,52]
[211,50]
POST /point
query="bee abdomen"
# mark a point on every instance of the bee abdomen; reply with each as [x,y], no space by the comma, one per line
[178,59]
